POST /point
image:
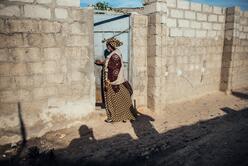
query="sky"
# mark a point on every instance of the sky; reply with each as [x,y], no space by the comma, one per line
[138,3]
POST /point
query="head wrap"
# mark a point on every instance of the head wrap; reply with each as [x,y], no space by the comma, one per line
[114,42]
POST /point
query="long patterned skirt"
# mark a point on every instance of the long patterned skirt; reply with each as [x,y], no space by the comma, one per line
[118,104]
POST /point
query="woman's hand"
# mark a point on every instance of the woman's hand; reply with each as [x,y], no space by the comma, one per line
[99,62]
[107,84]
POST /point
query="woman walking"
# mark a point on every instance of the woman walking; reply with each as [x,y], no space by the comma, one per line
[117,90]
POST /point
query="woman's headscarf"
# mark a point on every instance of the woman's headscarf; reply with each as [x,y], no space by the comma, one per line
[114,42]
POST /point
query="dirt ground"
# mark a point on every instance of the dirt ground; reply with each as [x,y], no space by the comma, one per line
[209,131]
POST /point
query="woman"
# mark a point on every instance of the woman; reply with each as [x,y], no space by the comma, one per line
[117,91]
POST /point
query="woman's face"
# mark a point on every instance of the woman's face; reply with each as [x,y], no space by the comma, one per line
[109,48]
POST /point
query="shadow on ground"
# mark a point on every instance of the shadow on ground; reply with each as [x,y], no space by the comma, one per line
[240,95]
[221,141]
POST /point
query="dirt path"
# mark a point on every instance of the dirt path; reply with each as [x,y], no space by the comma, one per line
[211,130]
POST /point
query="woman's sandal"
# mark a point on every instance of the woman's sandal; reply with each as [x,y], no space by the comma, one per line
[108,120]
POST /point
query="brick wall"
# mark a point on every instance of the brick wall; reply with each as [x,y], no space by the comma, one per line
[46,63]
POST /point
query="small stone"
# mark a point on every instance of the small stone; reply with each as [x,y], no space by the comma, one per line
[4,155]
[13,145]
[62,136]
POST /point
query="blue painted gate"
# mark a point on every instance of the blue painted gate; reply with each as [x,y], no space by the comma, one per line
[107,25]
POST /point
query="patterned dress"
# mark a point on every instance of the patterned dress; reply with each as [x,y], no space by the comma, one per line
[118,94]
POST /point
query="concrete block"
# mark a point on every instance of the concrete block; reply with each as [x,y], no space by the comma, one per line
[190,15]
[26,54]
[201,33]
[212,34]
[50,26]
[36,68]
[174,32]
[84,15]
[212,18]
[189,33]
[10,11]
[155,7]
[221,19]
[243,21]
[139,20]
[73,3]
[201,17]
[195,24]
[36,11]
[5,69]
[230,18]
[55,78]
[207,8]
[52,53]
[39,80]
[3,28]
[24,81]
[61,13]
[217,10]
[77,28]
[196,6]
[176,13]
[206,25]
[182,4]
[24,95]
[50,67]
[232,10]
[82,40]
[5,82]
[171,3]
[22,26]
[217,26]
[183,23]
[4,55]
[8,96]
[39,93]
[27,1]
[242,35]
[76,76]
[44,1]
[19,69]
[44,40]
[246,13]
[171,22]
[245,29]
[15,40]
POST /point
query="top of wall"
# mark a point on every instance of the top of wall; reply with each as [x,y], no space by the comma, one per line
[38,9]
[183,4]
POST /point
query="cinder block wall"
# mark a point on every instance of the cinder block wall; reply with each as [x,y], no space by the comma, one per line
[139,79]
[240,78]
[234,73]
[194,49]
[46,64]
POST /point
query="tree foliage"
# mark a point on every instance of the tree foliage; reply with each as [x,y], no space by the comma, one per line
[102,6]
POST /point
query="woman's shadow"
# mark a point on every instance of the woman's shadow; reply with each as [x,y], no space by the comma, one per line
[142,125]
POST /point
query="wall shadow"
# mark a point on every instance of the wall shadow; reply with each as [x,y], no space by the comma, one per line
[220,141]
[240,95]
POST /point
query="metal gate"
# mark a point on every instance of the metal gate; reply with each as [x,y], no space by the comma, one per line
[106,26]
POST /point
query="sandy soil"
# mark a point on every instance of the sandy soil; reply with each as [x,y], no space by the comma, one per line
[211,130]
